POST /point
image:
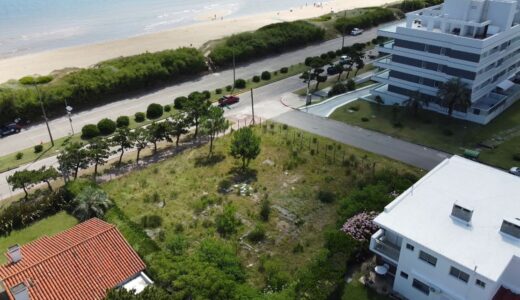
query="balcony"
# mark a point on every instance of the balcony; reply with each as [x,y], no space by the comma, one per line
[382,246]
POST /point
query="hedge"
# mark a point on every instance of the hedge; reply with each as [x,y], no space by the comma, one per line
[154,111]
[122,121]
[270,39]
[369,18]
[103,83]
[106,126]
[139,117]
[89,131]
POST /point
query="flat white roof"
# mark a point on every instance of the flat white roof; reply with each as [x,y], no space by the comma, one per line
[423,214]
[138,283]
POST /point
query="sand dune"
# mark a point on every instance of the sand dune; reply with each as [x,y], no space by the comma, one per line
[193,35]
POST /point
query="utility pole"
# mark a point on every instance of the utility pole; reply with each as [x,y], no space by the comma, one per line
[44,113]
[344,29]
[253,106]
[234,71]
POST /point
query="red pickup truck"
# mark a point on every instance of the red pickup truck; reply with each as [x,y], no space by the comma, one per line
[228,100]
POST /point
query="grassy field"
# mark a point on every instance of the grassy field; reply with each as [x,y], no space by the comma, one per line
[441,132]
[48,226]
[184,191]
[356,291]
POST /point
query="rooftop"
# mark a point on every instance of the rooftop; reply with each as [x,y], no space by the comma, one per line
[79,263]
[492,194]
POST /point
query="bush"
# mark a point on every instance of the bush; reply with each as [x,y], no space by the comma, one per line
[103,83]
[265,210]
[151,221]
[412,5]
[270,39]
[284,70]
[229,88]
[179,102]
[351,85]
[326,196]
[338,89]
[177,244]
[218,91]
[516,156]
[167,108]
[257,234]
[369,18]
[106,126]
[139,117]
[206,94]
[308,61]
[38,148]
[266,75]
[365,119]
[154,111]
[89,131]
[227,222]
[240,83]
[19,155]
[122,121]
[256,78]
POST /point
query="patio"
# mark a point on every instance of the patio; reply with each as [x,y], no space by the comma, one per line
[381,284]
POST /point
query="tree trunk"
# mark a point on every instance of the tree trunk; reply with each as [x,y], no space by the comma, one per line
[25,191]
[121,156]
[196,128]
[138,153]
[49,185]
[177,140]
[76,172]
[211,137]
[95,170]
[155,147]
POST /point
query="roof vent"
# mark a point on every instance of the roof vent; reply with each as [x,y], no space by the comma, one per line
[511,227]
[14,253]
[462,213]
[20,292]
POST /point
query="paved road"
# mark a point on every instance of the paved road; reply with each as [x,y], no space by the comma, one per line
[412,154]
[60,127]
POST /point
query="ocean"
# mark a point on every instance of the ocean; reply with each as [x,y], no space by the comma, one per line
[28,26]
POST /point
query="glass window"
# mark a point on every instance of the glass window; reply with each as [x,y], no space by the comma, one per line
[410,247]
[421,286]
[480,283]
[430,259]
[404,275]
[459,274]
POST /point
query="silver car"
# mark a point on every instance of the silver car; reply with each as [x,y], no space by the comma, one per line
[515,171]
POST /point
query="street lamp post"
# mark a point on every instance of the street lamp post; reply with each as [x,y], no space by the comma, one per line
[44,113]
[69,112]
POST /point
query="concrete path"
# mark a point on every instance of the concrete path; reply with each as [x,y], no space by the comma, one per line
[327,107]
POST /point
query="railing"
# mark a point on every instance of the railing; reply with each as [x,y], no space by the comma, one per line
[386,248]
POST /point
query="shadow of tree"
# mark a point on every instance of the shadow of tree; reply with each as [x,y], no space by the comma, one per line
[211,160]
[239,175]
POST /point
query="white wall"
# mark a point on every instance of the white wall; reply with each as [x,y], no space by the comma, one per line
[511,276]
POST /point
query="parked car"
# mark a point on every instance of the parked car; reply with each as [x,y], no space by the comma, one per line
[343,59]
[515,171]
[10,129]
[356,31]
[333,70]
[228,100]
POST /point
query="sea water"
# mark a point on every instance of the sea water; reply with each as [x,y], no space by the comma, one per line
[28,26]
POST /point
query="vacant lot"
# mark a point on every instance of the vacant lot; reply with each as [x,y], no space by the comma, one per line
[441,132]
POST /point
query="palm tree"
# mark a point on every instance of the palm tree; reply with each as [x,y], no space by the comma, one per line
[90,202]
[415,102]
[453,93]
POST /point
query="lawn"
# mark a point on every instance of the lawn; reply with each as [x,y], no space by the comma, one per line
[188,191]
[48,226]
[356,291]
[441,132]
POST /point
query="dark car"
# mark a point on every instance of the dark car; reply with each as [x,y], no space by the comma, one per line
[9,129]
[333,70]
[228,100]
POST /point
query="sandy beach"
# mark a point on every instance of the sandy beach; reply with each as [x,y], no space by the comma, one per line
[213,26]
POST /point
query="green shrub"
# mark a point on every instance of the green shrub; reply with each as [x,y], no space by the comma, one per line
[122,121]
[326,196]
[206,94]
[151,221]
[266,75]
[177,244]
[154,111]
[167,108]
[365,119]
[412,5]
[179,102]
[89,131]
[226,222]
[338,89]
[368,18]
[19,155]
[270,39]
[265,210]
[308,61]
[218,91]
[229,88]
[516,156]
[275,275]
[351,85]
[257,234]
[106,126]
[139,117]
[240,83]
[284,70]
[38,148]
[256,78]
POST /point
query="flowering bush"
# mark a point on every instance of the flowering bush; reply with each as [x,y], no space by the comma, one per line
[361,226]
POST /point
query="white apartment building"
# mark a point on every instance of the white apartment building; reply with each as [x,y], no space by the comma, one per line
[477,41]
[454,235]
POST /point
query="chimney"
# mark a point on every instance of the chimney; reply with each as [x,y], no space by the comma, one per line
[14,253]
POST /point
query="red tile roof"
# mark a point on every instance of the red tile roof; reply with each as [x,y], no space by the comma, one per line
[505,294]
[79,263]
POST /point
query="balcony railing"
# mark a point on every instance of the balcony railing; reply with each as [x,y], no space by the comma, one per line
[385,247]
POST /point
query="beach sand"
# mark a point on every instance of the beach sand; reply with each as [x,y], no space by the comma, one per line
[195,35]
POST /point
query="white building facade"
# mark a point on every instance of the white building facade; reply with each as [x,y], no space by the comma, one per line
[477,41]
[454,235]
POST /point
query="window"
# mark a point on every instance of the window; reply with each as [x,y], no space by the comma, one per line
[511,229]
[480,283]
[410,247]
[459,274]
[425,289]
[428,258]
[404,275]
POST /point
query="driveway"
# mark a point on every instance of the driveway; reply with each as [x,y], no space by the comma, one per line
[327,107]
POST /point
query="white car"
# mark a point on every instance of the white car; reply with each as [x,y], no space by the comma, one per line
[356,31]
[343,59]
[515,171]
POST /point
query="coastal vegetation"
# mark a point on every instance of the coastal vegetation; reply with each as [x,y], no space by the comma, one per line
[370,17]
[270,39]
[100,84]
